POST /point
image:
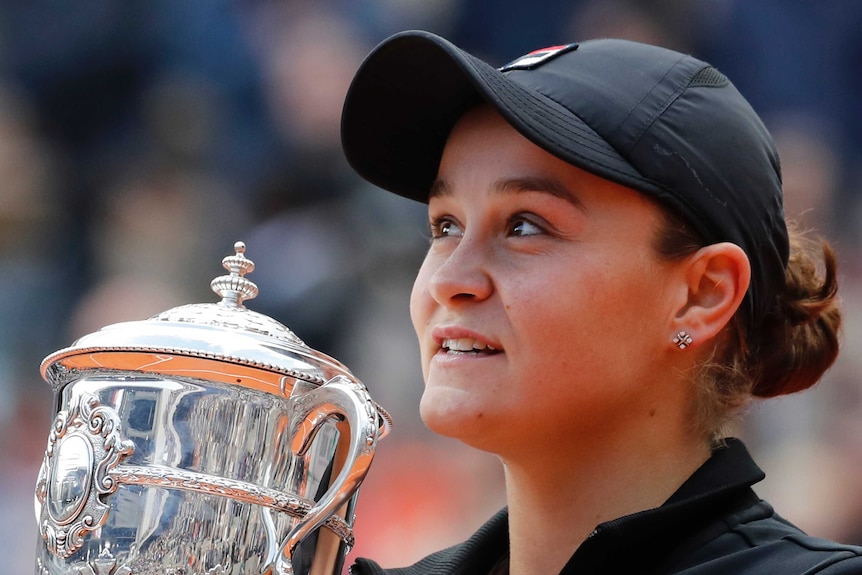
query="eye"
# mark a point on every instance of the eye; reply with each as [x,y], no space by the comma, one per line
[521,226]
[444,227]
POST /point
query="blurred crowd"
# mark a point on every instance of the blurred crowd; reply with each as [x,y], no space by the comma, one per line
[140,139]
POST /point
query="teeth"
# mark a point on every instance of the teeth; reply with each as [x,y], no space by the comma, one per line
[465,344]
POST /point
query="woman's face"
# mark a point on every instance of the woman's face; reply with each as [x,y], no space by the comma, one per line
[541,307]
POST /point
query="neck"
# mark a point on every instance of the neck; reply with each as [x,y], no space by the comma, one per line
[556,502]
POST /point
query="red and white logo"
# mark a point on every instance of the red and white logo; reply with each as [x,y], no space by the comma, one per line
[536,57]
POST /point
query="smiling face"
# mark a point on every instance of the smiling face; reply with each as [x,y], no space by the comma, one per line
[542,306]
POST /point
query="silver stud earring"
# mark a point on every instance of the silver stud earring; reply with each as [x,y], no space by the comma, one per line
[682,339]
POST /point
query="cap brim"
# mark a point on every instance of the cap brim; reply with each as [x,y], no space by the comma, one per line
[412,89]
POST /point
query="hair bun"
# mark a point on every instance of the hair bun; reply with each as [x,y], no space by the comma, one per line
[799,340]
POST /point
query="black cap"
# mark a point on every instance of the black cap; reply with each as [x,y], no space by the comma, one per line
[661,122]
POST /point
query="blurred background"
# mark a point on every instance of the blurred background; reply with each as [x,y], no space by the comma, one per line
[140,139]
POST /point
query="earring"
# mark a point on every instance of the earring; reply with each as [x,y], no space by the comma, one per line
[682,339]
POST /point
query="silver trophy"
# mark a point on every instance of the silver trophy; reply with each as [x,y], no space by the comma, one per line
[206,440]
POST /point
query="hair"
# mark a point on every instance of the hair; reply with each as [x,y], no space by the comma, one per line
[789,351]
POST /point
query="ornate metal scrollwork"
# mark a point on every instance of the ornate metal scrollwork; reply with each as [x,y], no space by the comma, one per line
[84,445]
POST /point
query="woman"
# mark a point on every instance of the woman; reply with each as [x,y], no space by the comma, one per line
[610,279]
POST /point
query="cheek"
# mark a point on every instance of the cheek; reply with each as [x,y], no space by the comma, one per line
[421,302]
[581,315]
[421,308]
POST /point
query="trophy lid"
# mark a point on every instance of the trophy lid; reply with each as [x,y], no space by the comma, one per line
[221,341]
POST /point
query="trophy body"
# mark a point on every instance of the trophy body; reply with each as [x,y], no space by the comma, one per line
[207,440]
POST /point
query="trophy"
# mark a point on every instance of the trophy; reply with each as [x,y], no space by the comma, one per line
[206,440]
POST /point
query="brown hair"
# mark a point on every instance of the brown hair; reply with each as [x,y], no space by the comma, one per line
[791,349]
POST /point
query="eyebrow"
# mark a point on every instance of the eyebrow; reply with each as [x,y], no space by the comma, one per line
[551,186]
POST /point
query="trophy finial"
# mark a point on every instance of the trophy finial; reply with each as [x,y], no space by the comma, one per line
[235,288]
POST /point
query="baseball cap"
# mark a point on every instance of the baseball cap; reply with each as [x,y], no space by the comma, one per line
[653,119]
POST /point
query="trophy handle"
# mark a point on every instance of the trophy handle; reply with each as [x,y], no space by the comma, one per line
[342,399]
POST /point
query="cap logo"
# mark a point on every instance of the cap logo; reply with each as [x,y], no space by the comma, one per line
[538,57]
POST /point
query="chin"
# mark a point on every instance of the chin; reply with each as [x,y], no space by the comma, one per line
[453,413]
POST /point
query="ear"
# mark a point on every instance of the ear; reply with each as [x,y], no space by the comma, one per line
[717,278]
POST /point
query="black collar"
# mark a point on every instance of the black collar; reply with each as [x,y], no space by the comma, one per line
[636,543]
[721,484]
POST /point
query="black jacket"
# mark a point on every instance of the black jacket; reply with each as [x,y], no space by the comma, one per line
[713,525]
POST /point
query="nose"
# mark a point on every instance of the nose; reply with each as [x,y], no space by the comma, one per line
[462,275]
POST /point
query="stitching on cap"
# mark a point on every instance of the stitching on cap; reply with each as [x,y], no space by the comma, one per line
[562,127]
[555,122]
[520,96]
[647,122]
